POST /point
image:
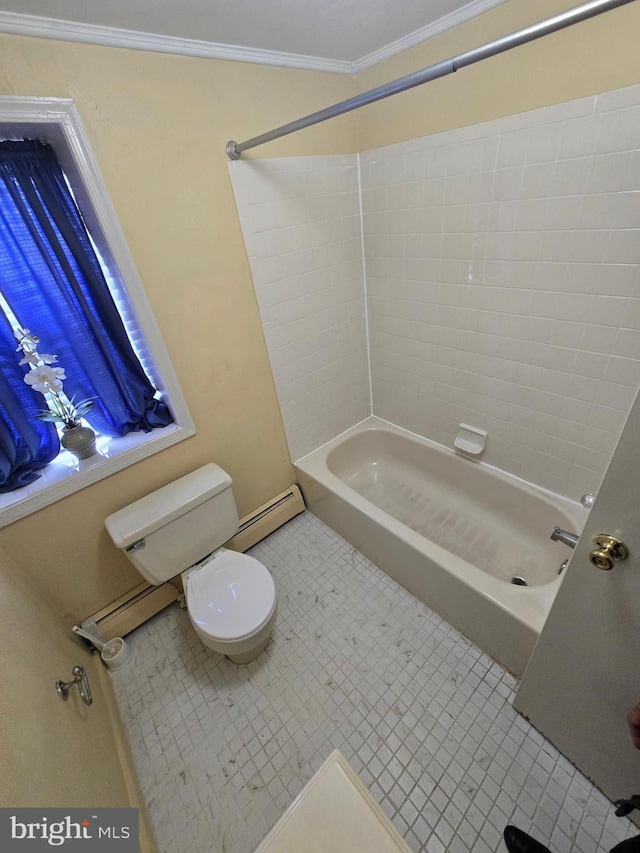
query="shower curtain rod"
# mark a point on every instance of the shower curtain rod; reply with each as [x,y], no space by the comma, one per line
[433,72]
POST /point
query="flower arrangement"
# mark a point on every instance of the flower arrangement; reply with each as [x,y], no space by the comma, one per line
[48,381]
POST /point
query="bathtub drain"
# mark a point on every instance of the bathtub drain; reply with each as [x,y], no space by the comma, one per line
[518,581]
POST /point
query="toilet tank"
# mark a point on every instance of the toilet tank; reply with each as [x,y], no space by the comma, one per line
[176,526]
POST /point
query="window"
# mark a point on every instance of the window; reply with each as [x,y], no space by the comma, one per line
[55,124]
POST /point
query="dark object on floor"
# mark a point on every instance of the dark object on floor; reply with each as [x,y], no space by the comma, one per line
[518,841]
[625,807]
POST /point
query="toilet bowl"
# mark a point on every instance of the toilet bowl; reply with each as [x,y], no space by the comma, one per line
[179,529]
[231,602]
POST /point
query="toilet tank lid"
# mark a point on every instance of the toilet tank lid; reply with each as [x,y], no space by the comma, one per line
[153,511]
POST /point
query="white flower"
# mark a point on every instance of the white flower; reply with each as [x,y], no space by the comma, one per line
[31,358]
[28,342]
[34,358]
[45,379]
[48,381]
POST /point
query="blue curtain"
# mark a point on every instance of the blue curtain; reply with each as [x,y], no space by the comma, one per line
[26,444]
[51,278]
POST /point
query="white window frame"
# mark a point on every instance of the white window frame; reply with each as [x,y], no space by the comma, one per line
[56,120]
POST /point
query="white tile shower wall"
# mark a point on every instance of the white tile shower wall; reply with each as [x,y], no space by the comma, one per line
[503,284]
[301,223]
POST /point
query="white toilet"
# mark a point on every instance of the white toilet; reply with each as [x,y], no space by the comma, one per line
[231,597]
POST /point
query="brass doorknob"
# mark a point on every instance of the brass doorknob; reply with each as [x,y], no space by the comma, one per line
[606,550]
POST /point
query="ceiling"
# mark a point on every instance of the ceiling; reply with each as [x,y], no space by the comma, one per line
[346,33]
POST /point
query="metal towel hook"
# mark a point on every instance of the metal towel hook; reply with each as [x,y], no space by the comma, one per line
[80,678]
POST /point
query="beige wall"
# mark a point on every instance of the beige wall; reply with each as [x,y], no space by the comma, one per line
[158,125]
[593,56]
[54,753]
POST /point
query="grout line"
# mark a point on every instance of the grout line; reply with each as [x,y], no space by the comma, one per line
[364,283]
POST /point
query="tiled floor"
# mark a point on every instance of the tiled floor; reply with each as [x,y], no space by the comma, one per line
[356,663]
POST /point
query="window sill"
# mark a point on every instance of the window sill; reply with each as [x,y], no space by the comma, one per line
[66,474]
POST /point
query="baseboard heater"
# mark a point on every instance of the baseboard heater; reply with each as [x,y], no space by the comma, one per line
[144,601]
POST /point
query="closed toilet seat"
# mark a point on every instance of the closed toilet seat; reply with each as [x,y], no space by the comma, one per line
[230,596]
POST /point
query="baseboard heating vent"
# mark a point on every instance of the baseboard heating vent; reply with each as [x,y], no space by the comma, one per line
[131,609]
[267,518]
[144,601]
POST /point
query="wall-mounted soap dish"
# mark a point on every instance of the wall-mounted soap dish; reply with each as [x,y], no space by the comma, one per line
[470,440]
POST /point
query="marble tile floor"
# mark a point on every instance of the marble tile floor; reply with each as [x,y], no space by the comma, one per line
[356,663]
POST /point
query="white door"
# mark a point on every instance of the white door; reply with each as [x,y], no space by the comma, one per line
[584,675]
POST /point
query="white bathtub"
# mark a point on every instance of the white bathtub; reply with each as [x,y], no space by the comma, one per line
[451,530]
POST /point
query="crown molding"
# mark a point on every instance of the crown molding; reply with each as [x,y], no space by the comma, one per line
[53,28]
[447,22]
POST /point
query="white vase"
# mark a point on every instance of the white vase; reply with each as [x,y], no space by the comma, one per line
[79,440]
